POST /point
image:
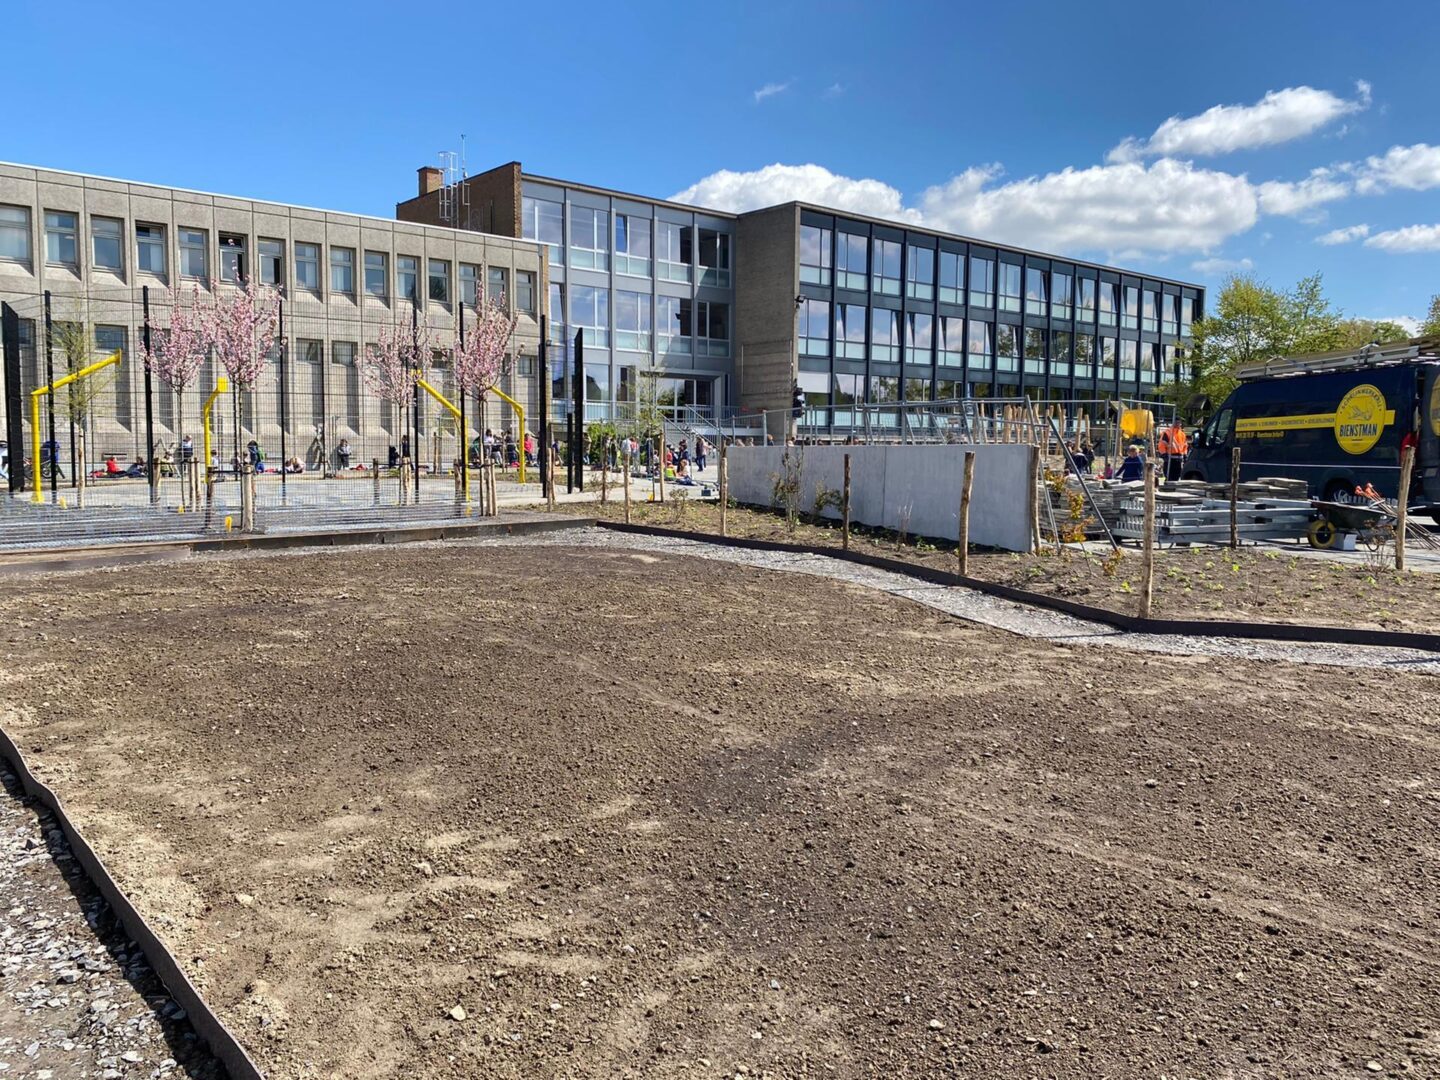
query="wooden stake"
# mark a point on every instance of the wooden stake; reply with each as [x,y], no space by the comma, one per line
[845,508]
[1035,501]
[550,487]
[1147,564]
[1407,463]
[605,470]
[1235,499]
[660,461]
[724,489]
[962,545]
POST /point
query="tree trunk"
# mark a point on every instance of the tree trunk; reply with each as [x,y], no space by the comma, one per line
[82,474]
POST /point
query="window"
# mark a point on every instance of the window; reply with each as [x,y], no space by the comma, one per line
[632,245]
[497,285]
[1149,361]
[949,389]
[1060,352]
[848,390]
[1035,351]
[589,238]
[632,320]
[714,258]
[469,284]
[919,338]
[377,276]
[1084,355]
[61,248]
[672,323]
[1129,361]
[107,243]
[814,327]
[557,312]
[1107,360]
[438,275]
[597,382]
[884,388]
[310,382]
[407,277]
[712,325]
[1086,300]
[1108,306]
[887,267]
[590,310]
[15,233]
[952,281]
[917,389]
[1170,313]
[111,339]
[852,261]
[850,331]
[272,261]
[1009,287]
[1187,315]
[543,220]
[815,385]
[307,267]
[982,282]
[1150,311]
[193,261]
[150,249]
[814,255]
[885,335]
[342,355]
[981,345]
[1060,285]
[232,258]
[525,291]
[920,273]
[1130,313]
[952,341]
[673,251]
[1036,296]
[1007,348]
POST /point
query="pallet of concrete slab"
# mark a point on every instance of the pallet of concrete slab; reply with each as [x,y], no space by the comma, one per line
[1209,522]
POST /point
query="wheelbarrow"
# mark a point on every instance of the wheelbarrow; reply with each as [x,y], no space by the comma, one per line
[1337,518]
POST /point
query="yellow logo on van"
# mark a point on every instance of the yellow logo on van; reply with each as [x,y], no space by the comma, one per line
[1435,406]
[1360,419]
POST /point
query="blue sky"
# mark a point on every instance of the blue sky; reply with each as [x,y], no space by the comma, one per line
[1045,124]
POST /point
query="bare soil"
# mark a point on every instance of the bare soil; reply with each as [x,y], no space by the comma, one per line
[647,816]
[1255,584]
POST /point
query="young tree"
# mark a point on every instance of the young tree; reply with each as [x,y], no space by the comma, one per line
[242,329]
[481,358]
[177,352]
[393,361]
[75,339]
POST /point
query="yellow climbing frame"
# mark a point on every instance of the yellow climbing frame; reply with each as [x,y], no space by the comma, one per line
[35,395]
[220,387]
[464,442]
[520,415]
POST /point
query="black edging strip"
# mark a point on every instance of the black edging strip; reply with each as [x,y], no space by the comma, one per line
[222,1044]
[1253,631]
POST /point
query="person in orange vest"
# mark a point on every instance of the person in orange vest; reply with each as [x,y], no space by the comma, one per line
[1172,445]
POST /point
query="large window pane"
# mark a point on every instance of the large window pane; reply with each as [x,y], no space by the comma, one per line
[951,340]
[271,254]
[632,245]
[850,331]
[852,261]
[632,321]
[307,267]
[1086,300]
[814,319]
[193,261]
[1036,299]
[673,251]
[1060,293]
[919,338]
[589,238]
[672,324]
[952,277]
[714,258]
[920,273]
[377,276]
[982,282]
[107,243]
[15,233]
[439,280]
[1009,292]
[887,267]
[232,258]
[342,271]
[815,255]
[61,248]
[885,335]
[1007,348]
[1109,307]
[150,249]
[544,221]
[590,310]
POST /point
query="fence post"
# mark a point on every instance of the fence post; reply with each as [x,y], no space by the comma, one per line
[150,470]
[375,475]
[626,465]
[247,497]
[550,485]
[724,488]
[494,493]
[50,406]
[605,470]
[660,460]
[845,508]
[1235,499]
[1147,563]
[284,403]
[1402,512]
[967,483]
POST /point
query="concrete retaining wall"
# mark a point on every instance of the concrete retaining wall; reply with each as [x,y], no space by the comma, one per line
[889,483]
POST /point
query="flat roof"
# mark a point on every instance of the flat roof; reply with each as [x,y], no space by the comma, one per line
[833,211]
[468,233]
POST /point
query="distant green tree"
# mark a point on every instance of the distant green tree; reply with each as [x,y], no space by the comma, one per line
[1431,326]
[1357,332]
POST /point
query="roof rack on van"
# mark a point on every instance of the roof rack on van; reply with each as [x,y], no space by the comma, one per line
[1394,352]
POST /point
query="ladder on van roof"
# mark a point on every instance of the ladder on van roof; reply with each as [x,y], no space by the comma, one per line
[1421,350]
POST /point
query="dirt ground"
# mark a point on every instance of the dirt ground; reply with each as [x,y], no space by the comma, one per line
[1255,584]
[643,816]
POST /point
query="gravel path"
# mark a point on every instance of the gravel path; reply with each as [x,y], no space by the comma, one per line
[79,999]
[1002,614]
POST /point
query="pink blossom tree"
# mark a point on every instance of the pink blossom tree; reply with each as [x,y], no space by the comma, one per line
[480,359]
[242,329]
[391,364]
[177,352]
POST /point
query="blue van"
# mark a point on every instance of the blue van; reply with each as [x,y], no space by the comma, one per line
[1337,422]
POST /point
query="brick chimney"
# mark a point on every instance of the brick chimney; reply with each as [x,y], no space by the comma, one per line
[430,179]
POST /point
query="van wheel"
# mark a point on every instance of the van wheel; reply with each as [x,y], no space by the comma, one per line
[1322,534]
[1192,475]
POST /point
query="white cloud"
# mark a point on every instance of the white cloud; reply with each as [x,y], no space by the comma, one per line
[1280,116]
[737,191]
[834,90]
[1216,267]
[1301,197]
[1162,207]
[769,90]
[1410,239]
[1411,168]
[1344,236]
[1408,323]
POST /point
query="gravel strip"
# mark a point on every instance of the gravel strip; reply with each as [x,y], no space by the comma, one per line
[992,611]
[80,1000]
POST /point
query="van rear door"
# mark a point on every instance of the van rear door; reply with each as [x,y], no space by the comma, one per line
[1427,463]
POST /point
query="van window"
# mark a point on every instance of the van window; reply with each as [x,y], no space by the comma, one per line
[1221,427]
